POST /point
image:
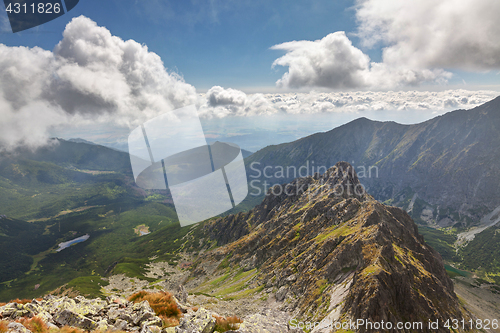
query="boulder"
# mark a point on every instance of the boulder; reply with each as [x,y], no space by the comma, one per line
[181,294]
[200,321]
[70,318]
[281,293]
[17,328]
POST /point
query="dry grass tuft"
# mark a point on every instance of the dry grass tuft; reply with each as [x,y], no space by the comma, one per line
[3,326]
[138,296]
[35,324]
[169,322]
[68,329]
[162,303]
[20,301]
[227,324]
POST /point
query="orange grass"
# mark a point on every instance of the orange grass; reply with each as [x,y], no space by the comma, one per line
[226,324]
[162,303]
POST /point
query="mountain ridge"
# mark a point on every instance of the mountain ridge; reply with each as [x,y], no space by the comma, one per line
[350,256]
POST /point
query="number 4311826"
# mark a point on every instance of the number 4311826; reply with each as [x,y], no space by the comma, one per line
[40,8]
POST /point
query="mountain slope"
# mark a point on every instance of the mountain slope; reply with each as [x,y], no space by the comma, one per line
[62,176]
[68,190]
[79,155]
[328,250]
[450,162]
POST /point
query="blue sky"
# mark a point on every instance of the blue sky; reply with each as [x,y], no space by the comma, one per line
[225,43]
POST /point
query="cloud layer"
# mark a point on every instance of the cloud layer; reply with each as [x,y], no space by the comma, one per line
[90,76]
[237,103]
[421,42]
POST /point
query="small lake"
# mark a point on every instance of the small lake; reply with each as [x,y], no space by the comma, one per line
[67,244]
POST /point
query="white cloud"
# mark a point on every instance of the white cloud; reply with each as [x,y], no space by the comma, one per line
[90,76]
[333,62]
[217,96]
[420,34]
[219,102]
[330,62]
[363,101]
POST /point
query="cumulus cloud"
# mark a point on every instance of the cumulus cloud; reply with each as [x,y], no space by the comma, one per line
[420,40]
[219,102]
[333,62]
[217,96]
[330,62]
[428,34]
[94,77]
[90,76]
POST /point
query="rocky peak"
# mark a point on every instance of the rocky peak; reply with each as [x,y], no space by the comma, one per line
[338,183]
[329,251]
[342,180]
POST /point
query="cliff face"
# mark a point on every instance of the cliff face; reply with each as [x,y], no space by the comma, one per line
[328,250]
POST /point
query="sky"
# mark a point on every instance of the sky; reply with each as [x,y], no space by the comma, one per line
[274,69]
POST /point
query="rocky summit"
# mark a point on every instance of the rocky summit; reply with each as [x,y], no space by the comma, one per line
[329,253]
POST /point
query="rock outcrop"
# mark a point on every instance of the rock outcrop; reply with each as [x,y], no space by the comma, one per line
[96,314]
[118,314]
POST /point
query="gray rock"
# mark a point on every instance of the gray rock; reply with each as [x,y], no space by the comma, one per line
[17,327]
[200,321]
[46,317]
[120,324]
[154,321]
[69,318]
[142,316]
[168,330]
[114,313]
[281,293]
[8,310]
[51,326]
[103,325]
[259,323]
[126,316]
[181,294]
[150,329]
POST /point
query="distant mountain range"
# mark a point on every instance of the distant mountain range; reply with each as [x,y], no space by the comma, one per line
[123,147]
[445,171]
